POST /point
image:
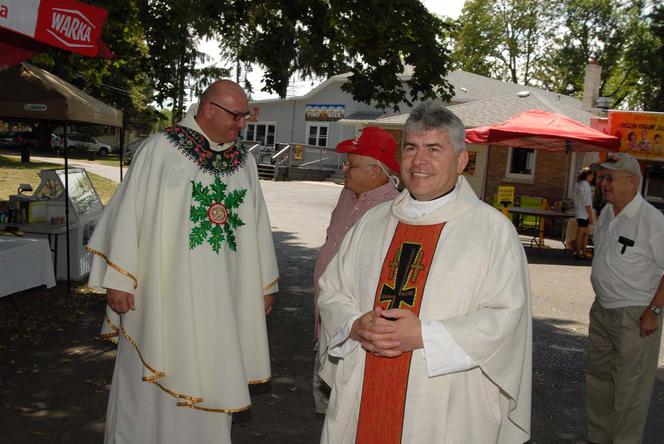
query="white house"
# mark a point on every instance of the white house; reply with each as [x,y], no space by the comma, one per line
[326,114]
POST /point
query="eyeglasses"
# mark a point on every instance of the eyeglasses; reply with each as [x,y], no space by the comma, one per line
[347,165]
[236,116]
[609,178]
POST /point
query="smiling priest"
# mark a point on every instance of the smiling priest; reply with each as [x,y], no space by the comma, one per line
[426,309]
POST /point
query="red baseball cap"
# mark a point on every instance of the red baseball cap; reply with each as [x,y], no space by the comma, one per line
[373,142]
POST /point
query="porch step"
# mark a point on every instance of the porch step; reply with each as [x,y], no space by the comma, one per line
[266,171]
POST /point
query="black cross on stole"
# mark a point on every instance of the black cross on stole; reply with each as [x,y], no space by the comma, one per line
[408,263]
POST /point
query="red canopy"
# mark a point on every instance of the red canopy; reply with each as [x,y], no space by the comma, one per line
[27,28]
[544,131]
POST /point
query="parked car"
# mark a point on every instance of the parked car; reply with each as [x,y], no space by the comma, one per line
[86,143]
[29,139]
[26,139]
[8,139]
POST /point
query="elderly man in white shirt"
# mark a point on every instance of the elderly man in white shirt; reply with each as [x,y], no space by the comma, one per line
[625,321]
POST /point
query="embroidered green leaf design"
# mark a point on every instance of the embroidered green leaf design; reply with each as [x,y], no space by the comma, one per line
[235,198]
[234,221]
[217,238]
[218,188]
[197,236]
[198,214]
[212,217]
[230,237]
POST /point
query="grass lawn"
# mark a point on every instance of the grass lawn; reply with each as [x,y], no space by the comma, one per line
[112,159]
[13,173]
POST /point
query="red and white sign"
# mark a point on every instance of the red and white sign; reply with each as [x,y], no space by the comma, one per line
[67,24]
[71,25]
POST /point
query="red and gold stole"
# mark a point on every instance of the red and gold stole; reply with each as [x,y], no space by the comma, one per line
[401,285]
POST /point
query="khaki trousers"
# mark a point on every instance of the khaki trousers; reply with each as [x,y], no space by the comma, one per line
[620,374]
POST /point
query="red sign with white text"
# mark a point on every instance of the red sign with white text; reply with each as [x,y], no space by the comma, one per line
[70,25]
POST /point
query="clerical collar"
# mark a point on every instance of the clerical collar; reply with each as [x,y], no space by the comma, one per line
[415,209]
[189,121]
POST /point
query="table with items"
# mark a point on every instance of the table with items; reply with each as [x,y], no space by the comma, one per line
[540,214]
[24,263]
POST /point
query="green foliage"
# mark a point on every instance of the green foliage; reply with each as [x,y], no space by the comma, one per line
[503,39]
[638,79]
[652,93]
[550,43]
[373,39]
[590,30]
[172,31]
[123,82]
[156,57]
[476,34]
[163,121]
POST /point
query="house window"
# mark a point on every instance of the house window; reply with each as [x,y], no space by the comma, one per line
[317,134]
[521,163]
[261,132]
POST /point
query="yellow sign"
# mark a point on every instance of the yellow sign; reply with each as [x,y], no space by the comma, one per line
[506,194]
[641,133]
[299,152]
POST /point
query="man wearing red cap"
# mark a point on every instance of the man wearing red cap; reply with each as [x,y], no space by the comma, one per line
[371,170]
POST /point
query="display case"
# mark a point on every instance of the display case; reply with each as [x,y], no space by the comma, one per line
[44,216]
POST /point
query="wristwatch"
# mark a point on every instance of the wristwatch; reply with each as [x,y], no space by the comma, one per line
[655,309]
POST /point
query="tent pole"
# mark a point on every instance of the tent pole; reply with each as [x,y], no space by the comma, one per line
[67,205]
[486,176]
[122,131]
[568,166]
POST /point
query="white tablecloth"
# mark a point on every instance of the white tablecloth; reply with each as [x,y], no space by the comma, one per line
[24,263]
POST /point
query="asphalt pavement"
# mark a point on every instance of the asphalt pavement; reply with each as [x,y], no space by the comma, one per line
[561,296]
[56,390]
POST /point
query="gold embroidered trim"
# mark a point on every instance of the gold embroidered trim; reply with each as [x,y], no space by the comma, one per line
[182,400]
[113,265]
[259,381]
[208,409]
[271,284]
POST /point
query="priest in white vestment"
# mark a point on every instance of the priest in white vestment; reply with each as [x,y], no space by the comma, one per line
[440,278]
[185,252]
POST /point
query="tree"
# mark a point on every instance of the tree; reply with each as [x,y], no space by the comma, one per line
[589,30]
[549,44]
[653,72]
[637,81]
[373,39]
[476,36]
[623,38]
[123,82]
[505,39]
[172,30]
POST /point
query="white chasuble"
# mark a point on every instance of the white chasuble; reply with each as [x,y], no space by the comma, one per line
[187,232]
[477,288]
